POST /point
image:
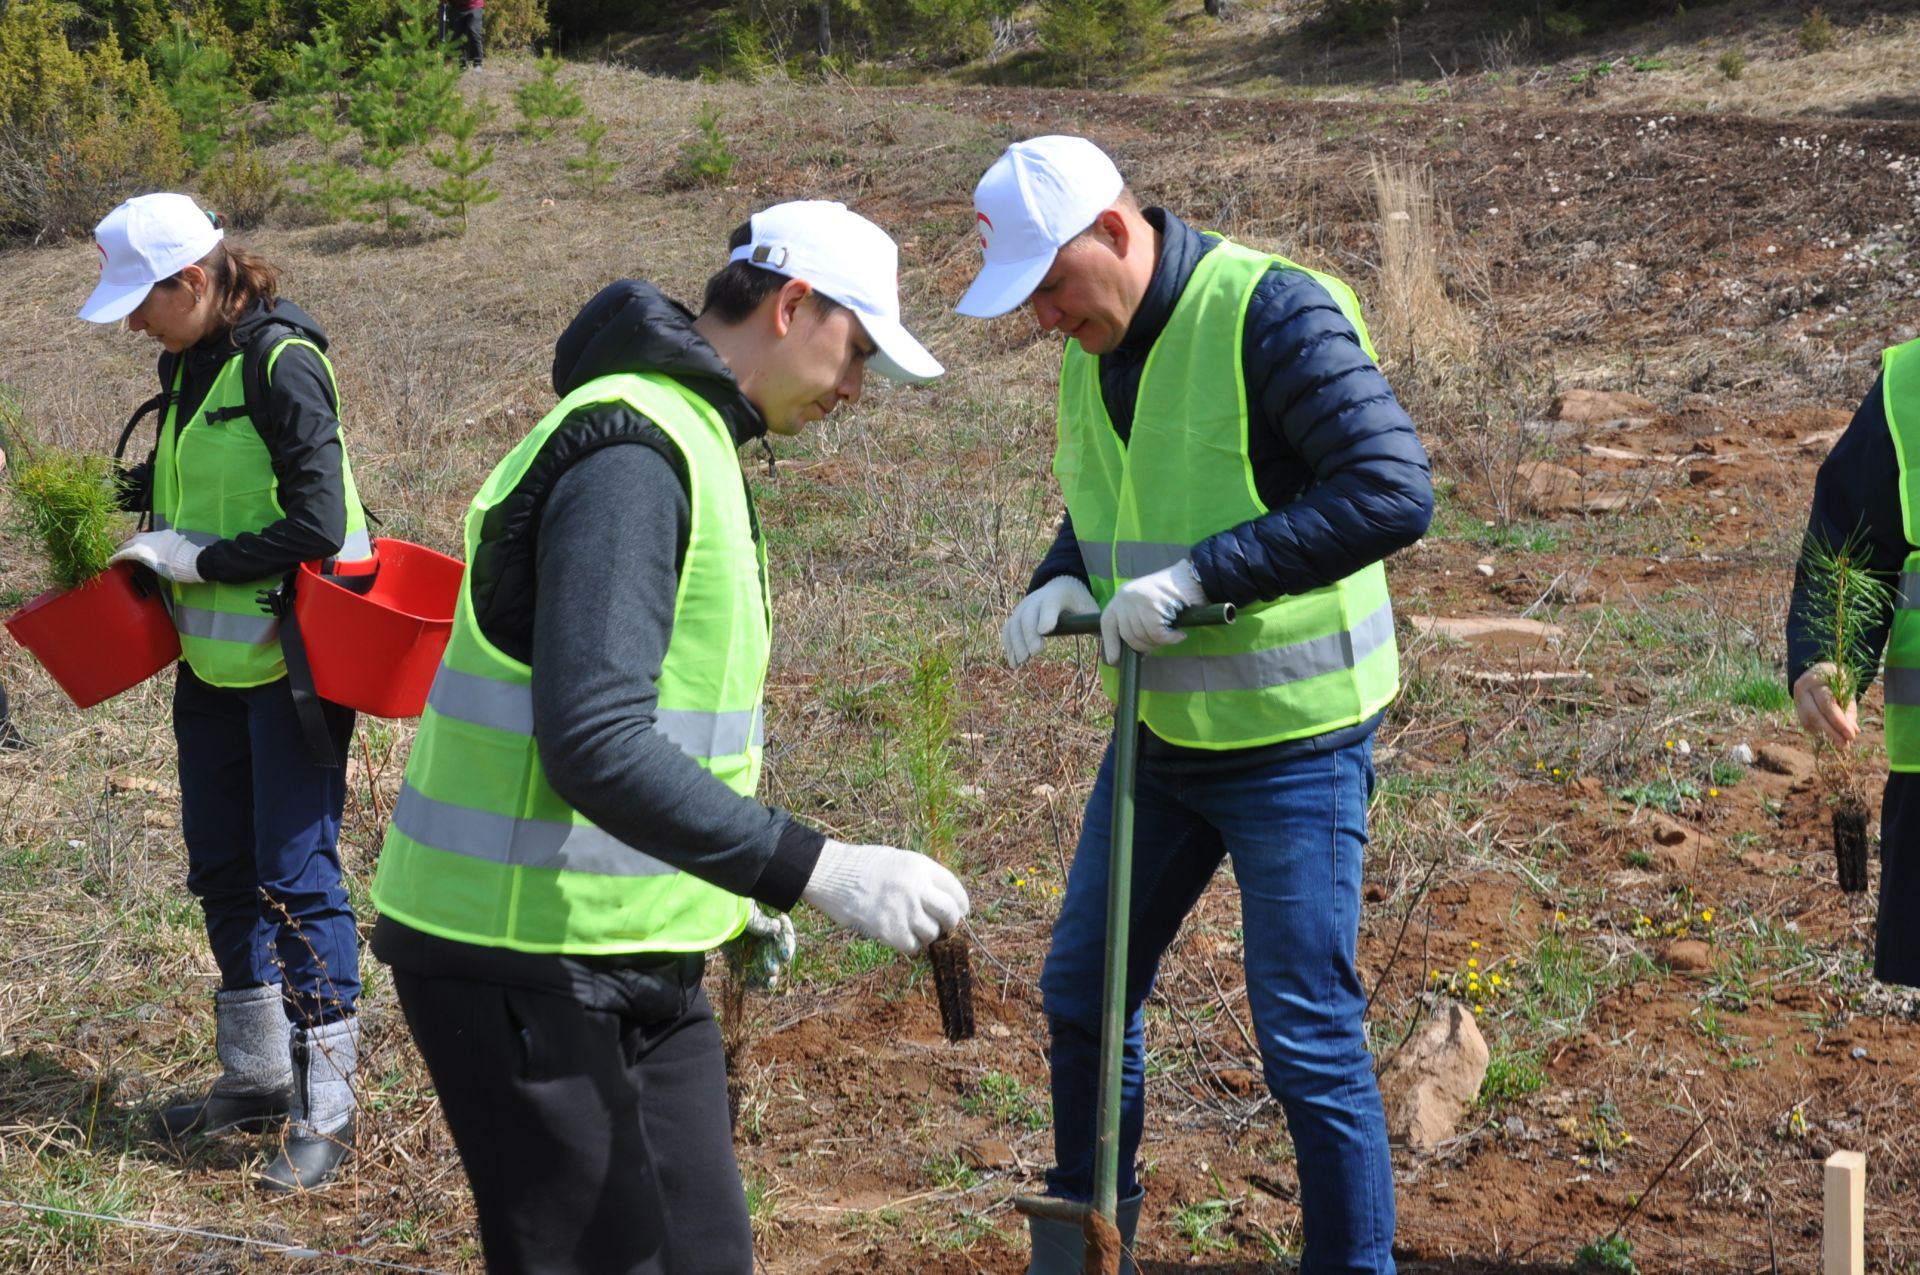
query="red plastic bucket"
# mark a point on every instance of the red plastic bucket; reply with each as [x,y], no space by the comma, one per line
[98,639]
[378,651]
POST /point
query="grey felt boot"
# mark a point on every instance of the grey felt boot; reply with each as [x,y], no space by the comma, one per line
[1060,1249]
[251,1039]
[320,1124]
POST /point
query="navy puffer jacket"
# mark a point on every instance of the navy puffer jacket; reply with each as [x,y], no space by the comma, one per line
[1335,457]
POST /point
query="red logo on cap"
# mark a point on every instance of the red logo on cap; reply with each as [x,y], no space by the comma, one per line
[988,221]
[103,255]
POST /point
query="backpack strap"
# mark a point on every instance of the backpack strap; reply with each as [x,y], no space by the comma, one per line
[256,363]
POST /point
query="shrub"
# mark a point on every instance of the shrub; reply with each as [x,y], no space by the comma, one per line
[78,131]
[1733,64]
[65,502]
[515,24]
[1357,19]
[705,158]
[936,32]
[242,184]
[198,79]
[1816,33]
[1085,39]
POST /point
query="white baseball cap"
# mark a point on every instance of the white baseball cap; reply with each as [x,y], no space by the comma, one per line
[850,260]
[1032,202]
[145,240]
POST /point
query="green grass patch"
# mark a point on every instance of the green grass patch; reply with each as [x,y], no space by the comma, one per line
[1511,1074]
[1004,1100]
[1668,794]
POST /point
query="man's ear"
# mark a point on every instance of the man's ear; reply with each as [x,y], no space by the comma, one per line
[1114,231]
[787,302]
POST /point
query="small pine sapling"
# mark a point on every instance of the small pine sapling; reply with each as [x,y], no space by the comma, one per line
[1847,602]
[546,102]
[705,158]
[463,186]
[318,95]
[591,170]
[404,95]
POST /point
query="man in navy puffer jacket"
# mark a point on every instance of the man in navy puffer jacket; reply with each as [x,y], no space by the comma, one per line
[1282,494]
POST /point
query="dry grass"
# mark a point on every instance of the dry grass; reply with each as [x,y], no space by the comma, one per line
[1416,319]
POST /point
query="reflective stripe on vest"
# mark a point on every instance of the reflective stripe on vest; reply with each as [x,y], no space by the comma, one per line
[1900,387]
[481,849]
[505,706]
[213,480]
[1289,669]
[531,843]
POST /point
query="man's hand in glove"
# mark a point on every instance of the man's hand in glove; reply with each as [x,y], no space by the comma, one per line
[1025,630]
[1141,613]
[169,553]
[762,952]
[901,898]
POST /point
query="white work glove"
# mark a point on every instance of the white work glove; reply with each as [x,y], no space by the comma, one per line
[1819,711]
[169,553]
[762,952]
[1141,613]
[901,898]
[1023,634]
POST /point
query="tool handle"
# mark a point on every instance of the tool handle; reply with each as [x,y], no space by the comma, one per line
[1191,618]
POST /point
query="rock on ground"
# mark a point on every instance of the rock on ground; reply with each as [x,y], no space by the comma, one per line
[1785,759]
[1594,406]
[1430,1084]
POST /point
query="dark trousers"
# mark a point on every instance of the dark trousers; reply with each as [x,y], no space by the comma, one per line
[1896,953]
[465,25]
[262,826]
[596,1140]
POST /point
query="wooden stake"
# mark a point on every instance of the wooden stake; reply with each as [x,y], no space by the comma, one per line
[1844,1248]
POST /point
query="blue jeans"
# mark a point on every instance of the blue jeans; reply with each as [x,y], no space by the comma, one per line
[1296,829]
[262,827]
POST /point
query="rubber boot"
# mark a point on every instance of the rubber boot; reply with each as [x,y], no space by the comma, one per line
[250,1036]
[1060,1249]
[320,1125]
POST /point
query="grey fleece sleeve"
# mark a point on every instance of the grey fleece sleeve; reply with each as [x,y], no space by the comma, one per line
[606,566]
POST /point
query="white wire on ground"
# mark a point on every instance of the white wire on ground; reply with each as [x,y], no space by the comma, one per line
[286,1250]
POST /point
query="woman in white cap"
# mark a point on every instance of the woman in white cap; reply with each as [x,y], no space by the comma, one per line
[248,479]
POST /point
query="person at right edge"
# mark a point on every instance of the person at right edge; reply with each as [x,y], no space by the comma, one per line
[1224,436]
[577,827]
[1868,491]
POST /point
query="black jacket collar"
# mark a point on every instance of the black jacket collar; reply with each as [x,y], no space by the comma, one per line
[1181,247]
[632,327]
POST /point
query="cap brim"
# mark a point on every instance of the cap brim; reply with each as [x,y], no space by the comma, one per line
[1004,287]
[110,302]
[898,357]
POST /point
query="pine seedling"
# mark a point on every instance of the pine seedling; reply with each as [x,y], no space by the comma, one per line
[591,170]
[545,102]
[705,159]
[463,186]
[1847,602]
[65,502]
